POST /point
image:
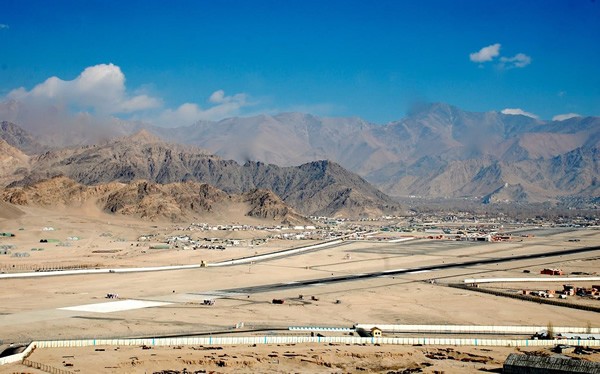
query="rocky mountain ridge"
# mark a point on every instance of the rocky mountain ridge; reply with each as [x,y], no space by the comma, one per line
[316,188]
[437,151]
[148,200]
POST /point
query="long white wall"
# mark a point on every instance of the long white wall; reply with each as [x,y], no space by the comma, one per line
[17,357]
[536,279]
[243,340]
[249,340]
[471,329]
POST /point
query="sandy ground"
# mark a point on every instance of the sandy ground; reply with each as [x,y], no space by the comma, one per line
[29,308]
[308,358]
[112,241]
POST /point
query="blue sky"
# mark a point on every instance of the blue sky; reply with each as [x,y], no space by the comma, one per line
[174,62]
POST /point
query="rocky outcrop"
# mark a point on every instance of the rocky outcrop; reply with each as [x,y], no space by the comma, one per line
[148,200]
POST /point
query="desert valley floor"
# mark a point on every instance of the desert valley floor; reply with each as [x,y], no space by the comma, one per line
[169,303]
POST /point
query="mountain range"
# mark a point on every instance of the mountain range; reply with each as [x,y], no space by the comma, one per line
[437,151]
[315,188]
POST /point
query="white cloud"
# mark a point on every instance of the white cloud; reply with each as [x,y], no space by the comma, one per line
[188,113]
[518,112]
[99,88]
[489,53]
[217,97]
[486,53]
[139,102]
[520,60]
[3,26]
[100,91]
[562,117]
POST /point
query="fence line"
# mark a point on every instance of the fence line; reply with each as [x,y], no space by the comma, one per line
[10,268]
[530,279]
[249,340]
[320,328]
[476,329]
[45,367]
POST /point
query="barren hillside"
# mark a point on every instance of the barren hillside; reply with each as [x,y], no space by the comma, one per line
[175,201]
[316,188]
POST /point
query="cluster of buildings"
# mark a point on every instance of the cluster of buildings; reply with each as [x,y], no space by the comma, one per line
[236,227]
[297,232]
[187,243]
[309,233]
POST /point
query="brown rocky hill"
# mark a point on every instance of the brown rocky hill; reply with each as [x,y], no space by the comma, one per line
[13,163]
[316,188]
[139,156]
[148,200]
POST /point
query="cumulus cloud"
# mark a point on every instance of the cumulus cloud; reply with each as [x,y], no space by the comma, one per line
[518,112]
[217,97]
[562,117]
[100,91]
[491,52]
[486,54]
[3,26]
[99,88]
[188,113]
[520,60]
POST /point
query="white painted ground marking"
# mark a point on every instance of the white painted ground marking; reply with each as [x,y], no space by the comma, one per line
[419,271]
[392,271]
[115,306]
[401,240]
[217,294]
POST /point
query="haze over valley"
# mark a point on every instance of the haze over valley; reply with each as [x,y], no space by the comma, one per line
[439,151]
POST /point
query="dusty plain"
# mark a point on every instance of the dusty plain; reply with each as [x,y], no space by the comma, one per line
[307,358]
[29,307]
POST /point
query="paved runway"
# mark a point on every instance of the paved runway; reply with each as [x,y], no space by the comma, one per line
[414,270]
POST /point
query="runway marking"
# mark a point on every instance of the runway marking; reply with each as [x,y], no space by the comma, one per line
[115,306]
[393,271]
[216,294]
[401,240]
[419,271]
